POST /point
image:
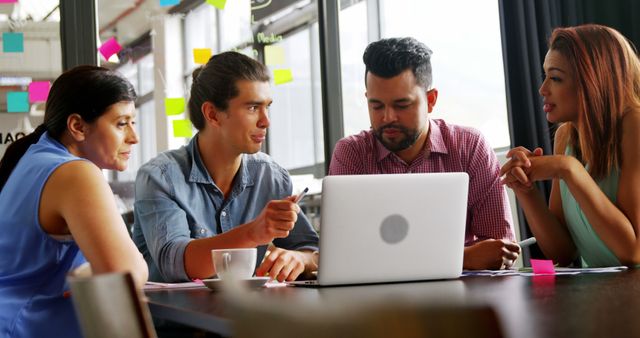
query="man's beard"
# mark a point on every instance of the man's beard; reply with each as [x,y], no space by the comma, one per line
[409,139]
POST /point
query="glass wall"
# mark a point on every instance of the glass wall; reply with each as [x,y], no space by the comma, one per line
[353,41]
[30,59]
[467,65]
[467,58]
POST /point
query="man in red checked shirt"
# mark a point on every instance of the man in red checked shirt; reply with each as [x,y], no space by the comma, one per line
[403,139]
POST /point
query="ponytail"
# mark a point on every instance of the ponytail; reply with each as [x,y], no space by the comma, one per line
[15,151]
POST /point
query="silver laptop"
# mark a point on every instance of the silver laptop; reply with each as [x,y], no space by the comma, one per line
[391,228]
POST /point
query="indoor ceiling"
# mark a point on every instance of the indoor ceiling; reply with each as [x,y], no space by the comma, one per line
[109,11]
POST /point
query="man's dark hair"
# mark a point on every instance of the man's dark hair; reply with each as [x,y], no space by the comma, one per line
[216,82]
[389,57]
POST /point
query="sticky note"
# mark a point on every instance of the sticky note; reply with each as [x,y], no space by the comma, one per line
[174,105]
[17,102]
[542,266]
[165,3]
[182,128]
[12,42]
[8,1]
[38,91]
[109,48]
[219,4]
[273,55]
[281,76]
[201,55]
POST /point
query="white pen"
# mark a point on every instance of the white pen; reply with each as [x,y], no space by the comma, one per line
[301,195]
[527,242]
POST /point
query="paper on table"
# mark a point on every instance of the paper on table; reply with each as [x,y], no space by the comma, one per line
[529,272]
[172,286]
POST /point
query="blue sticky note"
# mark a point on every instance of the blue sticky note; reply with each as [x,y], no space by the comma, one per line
[18,102]
[165,3]
[12,42]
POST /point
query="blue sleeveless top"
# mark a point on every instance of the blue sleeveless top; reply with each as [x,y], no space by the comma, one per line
[591,248]
[33,265]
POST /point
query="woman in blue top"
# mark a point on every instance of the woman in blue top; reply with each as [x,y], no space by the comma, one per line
[591,87]
[58,211]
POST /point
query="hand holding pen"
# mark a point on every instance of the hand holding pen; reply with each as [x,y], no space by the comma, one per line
[301,195]
[527,242]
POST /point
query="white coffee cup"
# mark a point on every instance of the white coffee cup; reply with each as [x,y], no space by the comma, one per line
[234,263]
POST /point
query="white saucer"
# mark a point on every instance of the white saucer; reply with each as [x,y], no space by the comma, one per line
[253,282]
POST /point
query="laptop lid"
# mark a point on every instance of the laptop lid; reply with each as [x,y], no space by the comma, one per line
[391,228]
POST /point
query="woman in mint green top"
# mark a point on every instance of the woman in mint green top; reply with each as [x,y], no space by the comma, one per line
[592,88]
[593,251]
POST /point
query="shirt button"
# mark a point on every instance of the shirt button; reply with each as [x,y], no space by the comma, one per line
[224,213]
[202,231]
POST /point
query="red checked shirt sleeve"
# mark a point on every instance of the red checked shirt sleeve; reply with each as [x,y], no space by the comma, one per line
[349,157]
[489,214]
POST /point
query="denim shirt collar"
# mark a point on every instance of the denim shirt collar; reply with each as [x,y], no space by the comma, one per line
[199,173]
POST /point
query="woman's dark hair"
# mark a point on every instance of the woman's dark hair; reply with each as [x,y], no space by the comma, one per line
[389,57]
[216,82]
[84,90]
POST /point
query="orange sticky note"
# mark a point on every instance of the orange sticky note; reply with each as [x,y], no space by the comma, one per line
[542,266]
[201,55]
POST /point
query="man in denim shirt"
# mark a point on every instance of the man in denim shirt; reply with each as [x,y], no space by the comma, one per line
[219,191]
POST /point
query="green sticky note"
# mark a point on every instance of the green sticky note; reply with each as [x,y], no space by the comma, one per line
[201,55]
[12,42]
[182,128]
[18,102]
[273,55]
[174,105]
[281,76]
[219,4]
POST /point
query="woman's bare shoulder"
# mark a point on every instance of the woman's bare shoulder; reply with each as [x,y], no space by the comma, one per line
[561,138]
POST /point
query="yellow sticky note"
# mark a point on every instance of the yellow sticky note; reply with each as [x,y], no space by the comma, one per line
[273,55]
[182,128]
[281,76]
[174,105]
[201,55]
[219,4]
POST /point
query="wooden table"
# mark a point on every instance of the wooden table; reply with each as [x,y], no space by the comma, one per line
[585,305]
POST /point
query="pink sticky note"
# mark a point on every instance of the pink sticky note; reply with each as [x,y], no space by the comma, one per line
[542,266]
[198,281]
[38,91]
[109,48]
